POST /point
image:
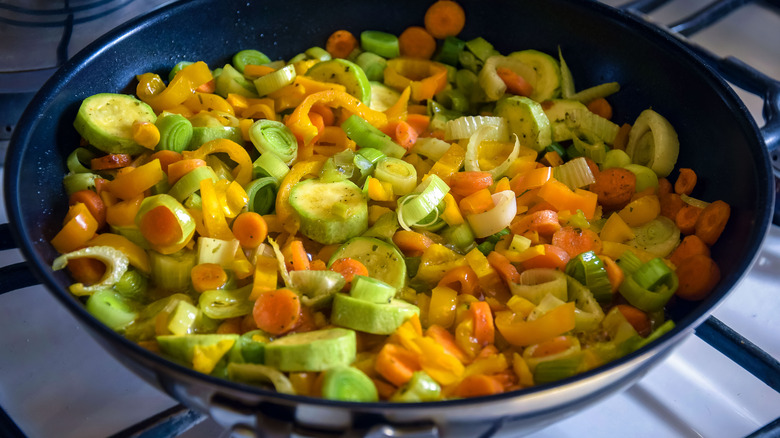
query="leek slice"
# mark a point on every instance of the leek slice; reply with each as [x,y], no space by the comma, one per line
[492,85]
[595,92]
[249,57]
[316,287]
[658,237]
[226,303]
[79,160]
[74,182]
[431,147]
[567,80]
[281,263]
[175,132]
[574,173]
[348,383]
[467,126]
[276,138]
[262,195]
[171,272]
[415,207]
[471,162]
[615,158]
[116,264]
[532,360]
[554,370]
[588,314]
[536,283]
[645,177]
[420,388]
[589,270]
[269,164]
[628,262]
[190,183]
[650,286]
[275,80]
[111,309]
[368,136]
[653,142]
[382,43]
[583,119]
[400,174]
[132,285]
[257,373]
[497,218]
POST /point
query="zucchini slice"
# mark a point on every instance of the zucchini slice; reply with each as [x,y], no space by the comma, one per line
[330,212]
[105,120]
[527,120]
[548,80]
[383,260]
[346,73]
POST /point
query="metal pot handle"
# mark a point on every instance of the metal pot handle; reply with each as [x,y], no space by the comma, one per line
[18,275]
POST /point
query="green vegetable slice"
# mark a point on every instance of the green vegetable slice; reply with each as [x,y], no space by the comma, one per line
[653,142]
[316,350]
[382,260]
[330,212]
[346,73]
[382,43]
[105,120]
[111,309]
[270,136]
[346,383]
[365,316]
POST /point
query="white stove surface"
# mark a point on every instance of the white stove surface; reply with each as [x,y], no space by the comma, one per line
[55,380]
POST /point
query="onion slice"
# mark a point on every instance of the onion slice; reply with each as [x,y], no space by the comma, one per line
[497,218]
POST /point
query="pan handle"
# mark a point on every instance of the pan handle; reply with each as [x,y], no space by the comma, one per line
[15,276]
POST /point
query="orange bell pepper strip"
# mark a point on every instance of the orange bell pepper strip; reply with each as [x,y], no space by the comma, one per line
[80,226]
[284,212]
[152,90]
[399,109]
[128,185]
[303,128]
[562,198]
[122,214]
[242,174]
[523,333]
[426,78]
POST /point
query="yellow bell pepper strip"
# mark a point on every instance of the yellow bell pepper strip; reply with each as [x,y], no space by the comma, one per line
[116,265]
[399,109]
[562,198]
[641,211]
[136,255]
[265,277]
[80,226]
[492,364]
[300,123]
[242,174]
[531,179]
[146,134]
[232,197]
[442,308]
[379,190]
[152,90]
[213,216]
[206,357]
[290,96]
[426,78]
[442,366]
[524,375]
[284,212]
[122,214]
[451,213]
[615,229]
[522,333]
[436,261]
[449,163]
[128,185]
[208,102]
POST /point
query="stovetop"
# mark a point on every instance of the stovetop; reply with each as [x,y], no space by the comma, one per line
[55,380]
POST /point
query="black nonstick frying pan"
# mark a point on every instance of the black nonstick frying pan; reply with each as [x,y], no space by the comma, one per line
[718,138]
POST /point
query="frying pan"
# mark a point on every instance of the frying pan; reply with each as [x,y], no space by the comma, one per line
[718,138]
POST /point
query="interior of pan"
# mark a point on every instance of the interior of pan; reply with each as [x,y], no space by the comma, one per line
[718,138]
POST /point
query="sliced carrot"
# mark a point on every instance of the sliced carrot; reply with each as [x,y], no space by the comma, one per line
[544,222]
[277,311]
[111,161]
[698,275]
[468,182]
[257,71]
[317,265]
[712,221]
[686,181]
[447,340]
[298,256]
[686,218]
[664,186]
[600,107]
[93,202]
[614,188]
[230,326]
[671,203]
[463,275]
[504,267]
[615,275]
[86,270]
[160,226]
[416,42]
[637,318]
[593,166]
[396,364]
[444,18]
[576,241]
[411,242]
[349,268]
[420,122]
[477,385]
[178,169]
[621,139]
[166,157]
[515,84]
[341,43]
[477,202]
[484,328]
[553,258]
[250,229]
[207,87]
[207,276]
[690,246]
[402,132]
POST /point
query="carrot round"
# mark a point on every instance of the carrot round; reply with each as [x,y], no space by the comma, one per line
[515,84]
[464,276]
[671,203]
[349,268]
[166,157]
[207,276]
[621,139]
[686,218]
[637,318]
[664,186]
[93,202]
[484,328]
[600,107]
[544,222]
[277,311]
[411,242]
[477,385]
[690,246]
[298,256]
[86,270]
[396,364]
[416,42]
[468,182]
[111,161]
[341,43]
[160,227]
[712,221]
[402,132]
[685,182]
[444,18]
[576,241]
[250,229]
[614,188]
[553,257]
[698,275]
[504,267]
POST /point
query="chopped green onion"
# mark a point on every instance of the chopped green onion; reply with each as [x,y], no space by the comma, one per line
[371,290]
[556,147]
[589,270]
[175,132]
[486,247]
[371,154]
[373,65]
[318,53]
[382,43]
[257,373]
[275,80]
[269,164]
[79,160]
[346,383]
[249,57]
[420,388]
[116,264]
[574,173]
[190,182]
[664,328]
[111,309]
[225,303]
[415,207]
[536,283]
[650,286]
[368,136]
[274,137]
[480,48]
[450,50]
[400,174]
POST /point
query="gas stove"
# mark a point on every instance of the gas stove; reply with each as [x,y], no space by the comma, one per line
[55,380]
